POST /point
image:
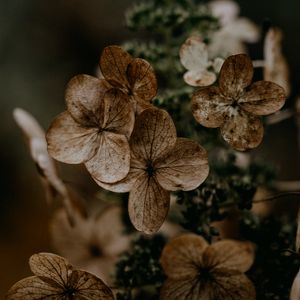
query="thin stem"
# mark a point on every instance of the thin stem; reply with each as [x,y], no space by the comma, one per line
[274,197]
[279,116]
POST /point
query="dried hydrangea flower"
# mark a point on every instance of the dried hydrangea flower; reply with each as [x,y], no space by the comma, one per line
[275,66]
[194,57]
[56,279]
[134,76]
[197,270]
[160,163]
[94,130]
[93,244]
[236,105]
[46,166]
[234,31]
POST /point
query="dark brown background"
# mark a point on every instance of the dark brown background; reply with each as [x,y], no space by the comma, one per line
[42,45]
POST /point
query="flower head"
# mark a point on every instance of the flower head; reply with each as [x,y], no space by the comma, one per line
[197,270]
[94,243]
[160,163]
[194,57]
[236,105]
[234,31]
[56,279]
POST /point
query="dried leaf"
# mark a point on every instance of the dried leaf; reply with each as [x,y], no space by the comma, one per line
[148,204]
[235,75]
[185,168]
[243,131]
[263,98]
[71,142]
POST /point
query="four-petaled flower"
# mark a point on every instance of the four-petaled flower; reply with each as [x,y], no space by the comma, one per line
[201,69]
[236,106]
[160,162]
[199,271]
[56,279]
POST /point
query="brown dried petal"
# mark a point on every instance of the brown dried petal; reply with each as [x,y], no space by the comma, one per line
[142,80]
[230,255]
[34,288]
[154,134]
[84,98]
[148,204]
[182,257]
[235,75]
[209,107]
[111,163]
[70,142]
[185,168]
[119,113]
[114,62]
[242,130]
[51,266]
[263,98]
[89,286]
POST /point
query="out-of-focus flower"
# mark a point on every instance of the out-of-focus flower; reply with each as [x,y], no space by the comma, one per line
[94,130]
[197,270]
[234,31]
[194,57]
[295,290]
[275,65]
[93,244]
[235,105]
[46,166]
[56,279]
[160,162]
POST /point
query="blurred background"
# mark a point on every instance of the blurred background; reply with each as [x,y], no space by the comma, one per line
[42,45]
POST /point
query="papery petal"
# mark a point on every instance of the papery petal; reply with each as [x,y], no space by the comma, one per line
[119,113]
[199,78]
[242,130]
[34,288]
[154,134]
[232,285]
[185,168]
[193,54]
[84,99]
[111,163]
[89,286]
[51,266]
[141,77]
[182,256]
[225,10]
[114,62]
[148,204]
[70,142]
[186,289]
[235,75]
[209,107]
[230,255]
[263,98]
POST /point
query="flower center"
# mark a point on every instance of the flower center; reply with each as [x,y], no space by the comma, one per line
[204,274]
[70,292]
[150,169]
[95,251]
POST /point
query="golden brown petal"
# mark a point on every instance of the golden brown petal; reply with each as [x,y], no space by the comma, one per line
[111,163]
[34,288]
[119,113]
[148,204]
[114,62]
[263,98]
[182,257]
[242,130]
[89,286]
[70,142]
[230,255]
[84,99]
[185,168]
[232,285]
[209,107]
[51,266]
[154,134]
[235,75]
[142,80]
